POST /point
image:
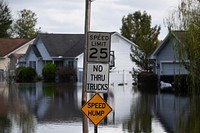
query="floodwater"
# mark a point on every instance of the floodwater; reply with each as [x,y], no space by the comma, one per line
[56,108]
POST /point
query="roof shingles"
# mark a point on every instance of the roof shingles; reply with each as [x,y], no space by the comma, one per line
[66,45]
[8,45]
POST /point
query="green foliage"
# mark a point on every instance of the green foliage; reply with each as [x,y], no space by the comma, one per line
[49,72]
[5,124]
[187,18]
[5,20]
[49,90]
[66,73]
[24,26]
[25,74]
[147,82]
[137,28]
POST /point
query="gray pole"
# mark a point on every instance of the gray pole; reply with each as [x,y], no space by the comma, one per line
[84,94]
[95,129]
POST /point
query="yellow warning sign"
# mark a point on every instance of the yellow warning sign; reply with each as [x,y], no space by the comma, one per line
[96,109]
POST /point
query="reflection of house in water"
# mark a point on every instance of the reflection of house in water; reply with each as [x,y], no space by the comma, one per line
[9,101]
[171,110]
[51,102]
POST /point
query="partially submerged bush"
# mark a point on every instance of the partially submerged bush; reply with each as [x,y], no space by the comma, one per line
[66,74]
[49,72]
[25,74]
[147,82]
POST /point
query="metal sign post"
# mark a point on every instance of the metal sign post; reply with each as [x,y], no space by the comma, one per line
[97,66]
[84,94]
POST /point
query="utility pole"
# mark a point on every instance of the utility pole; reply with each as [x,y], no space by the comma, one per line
[84,94]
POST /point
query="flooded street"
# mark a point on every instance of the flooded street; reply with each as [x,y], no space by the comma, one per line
[49,108]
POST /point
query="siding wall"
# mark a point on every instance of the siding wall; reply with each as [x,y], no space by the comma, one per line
[122,51]
[4,63]
[168,60]
[31,57]
[45,55]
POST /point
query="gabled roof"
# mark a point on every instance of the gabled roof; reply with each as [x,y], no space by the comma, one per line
[66,45]
[180,36]
[124,38]
[35,50]
[8,45]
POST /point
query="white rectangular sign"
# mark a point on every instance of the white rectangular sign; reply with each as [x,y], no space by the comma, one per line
[97,77]
[98,45]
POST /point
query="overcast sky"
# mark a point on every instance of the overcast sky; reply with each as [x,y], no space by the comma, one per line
[68,16]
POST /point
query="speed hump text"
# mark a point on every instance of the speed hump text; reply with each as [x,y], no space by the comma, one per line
[96,109]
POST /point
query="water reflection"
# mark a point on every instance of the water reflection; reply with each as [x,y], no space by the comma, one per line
[47,107]
[52,102]
[26,105]
[190,117]
[141,115]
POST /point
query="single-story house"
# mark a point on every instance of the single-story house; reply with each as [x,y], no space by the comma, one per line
[67,49]
[60,49]
[10,50]
[166,60]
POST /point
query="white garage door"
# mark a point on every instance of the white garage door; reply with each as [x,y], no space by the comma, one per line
[172,68]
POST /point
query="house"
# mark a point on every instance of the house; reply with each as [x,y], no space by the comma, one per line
[166,60]
[60,49]
[10,51]
[67,49]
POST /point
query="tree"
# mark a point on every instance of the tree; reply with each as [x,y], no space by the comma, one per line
[24,26]
[187,18]
[5,20]
[137,28]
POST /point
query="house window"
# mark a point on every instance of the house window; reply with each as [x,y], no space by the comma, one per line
[112,59]
[32,64]
[71,64]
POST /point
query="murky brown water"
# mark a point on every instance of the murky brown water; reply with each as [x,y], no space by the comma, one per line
[50,108]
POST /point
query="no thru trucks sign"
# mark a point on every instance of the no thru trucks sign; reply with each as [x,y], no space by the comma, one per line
[97,77]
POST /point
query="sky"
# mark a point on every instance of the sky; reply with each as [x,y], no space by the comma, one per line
[68,16]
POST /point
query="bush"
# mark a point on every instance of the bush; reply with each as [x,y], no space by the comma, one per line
[49,72]
[66,74]
[147,82]
[182,84]
[25,74]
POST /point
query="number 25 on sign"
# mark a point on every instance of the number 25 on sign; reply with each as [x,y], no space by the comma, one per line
[99,47]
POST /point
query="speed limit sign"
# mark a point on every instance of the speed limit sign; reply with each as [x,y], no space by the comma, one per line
[98,47]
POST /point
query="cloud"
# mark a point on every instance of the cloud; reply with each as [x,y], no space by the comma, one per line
[67,16]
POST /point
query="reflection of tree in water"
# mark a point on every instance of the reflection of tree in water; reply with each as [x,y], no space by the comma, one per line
[141,115]
[189,121]
[26,123]
[5,124]
[14,111]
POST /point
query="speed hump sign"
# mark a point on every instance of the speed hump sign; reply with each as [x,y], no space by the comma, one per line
[96,109]
[98,47]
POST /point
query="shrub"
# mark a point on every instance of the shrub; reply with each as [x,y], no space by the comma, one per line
[25,74]
[49,72]
[147,82]
[66,74]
